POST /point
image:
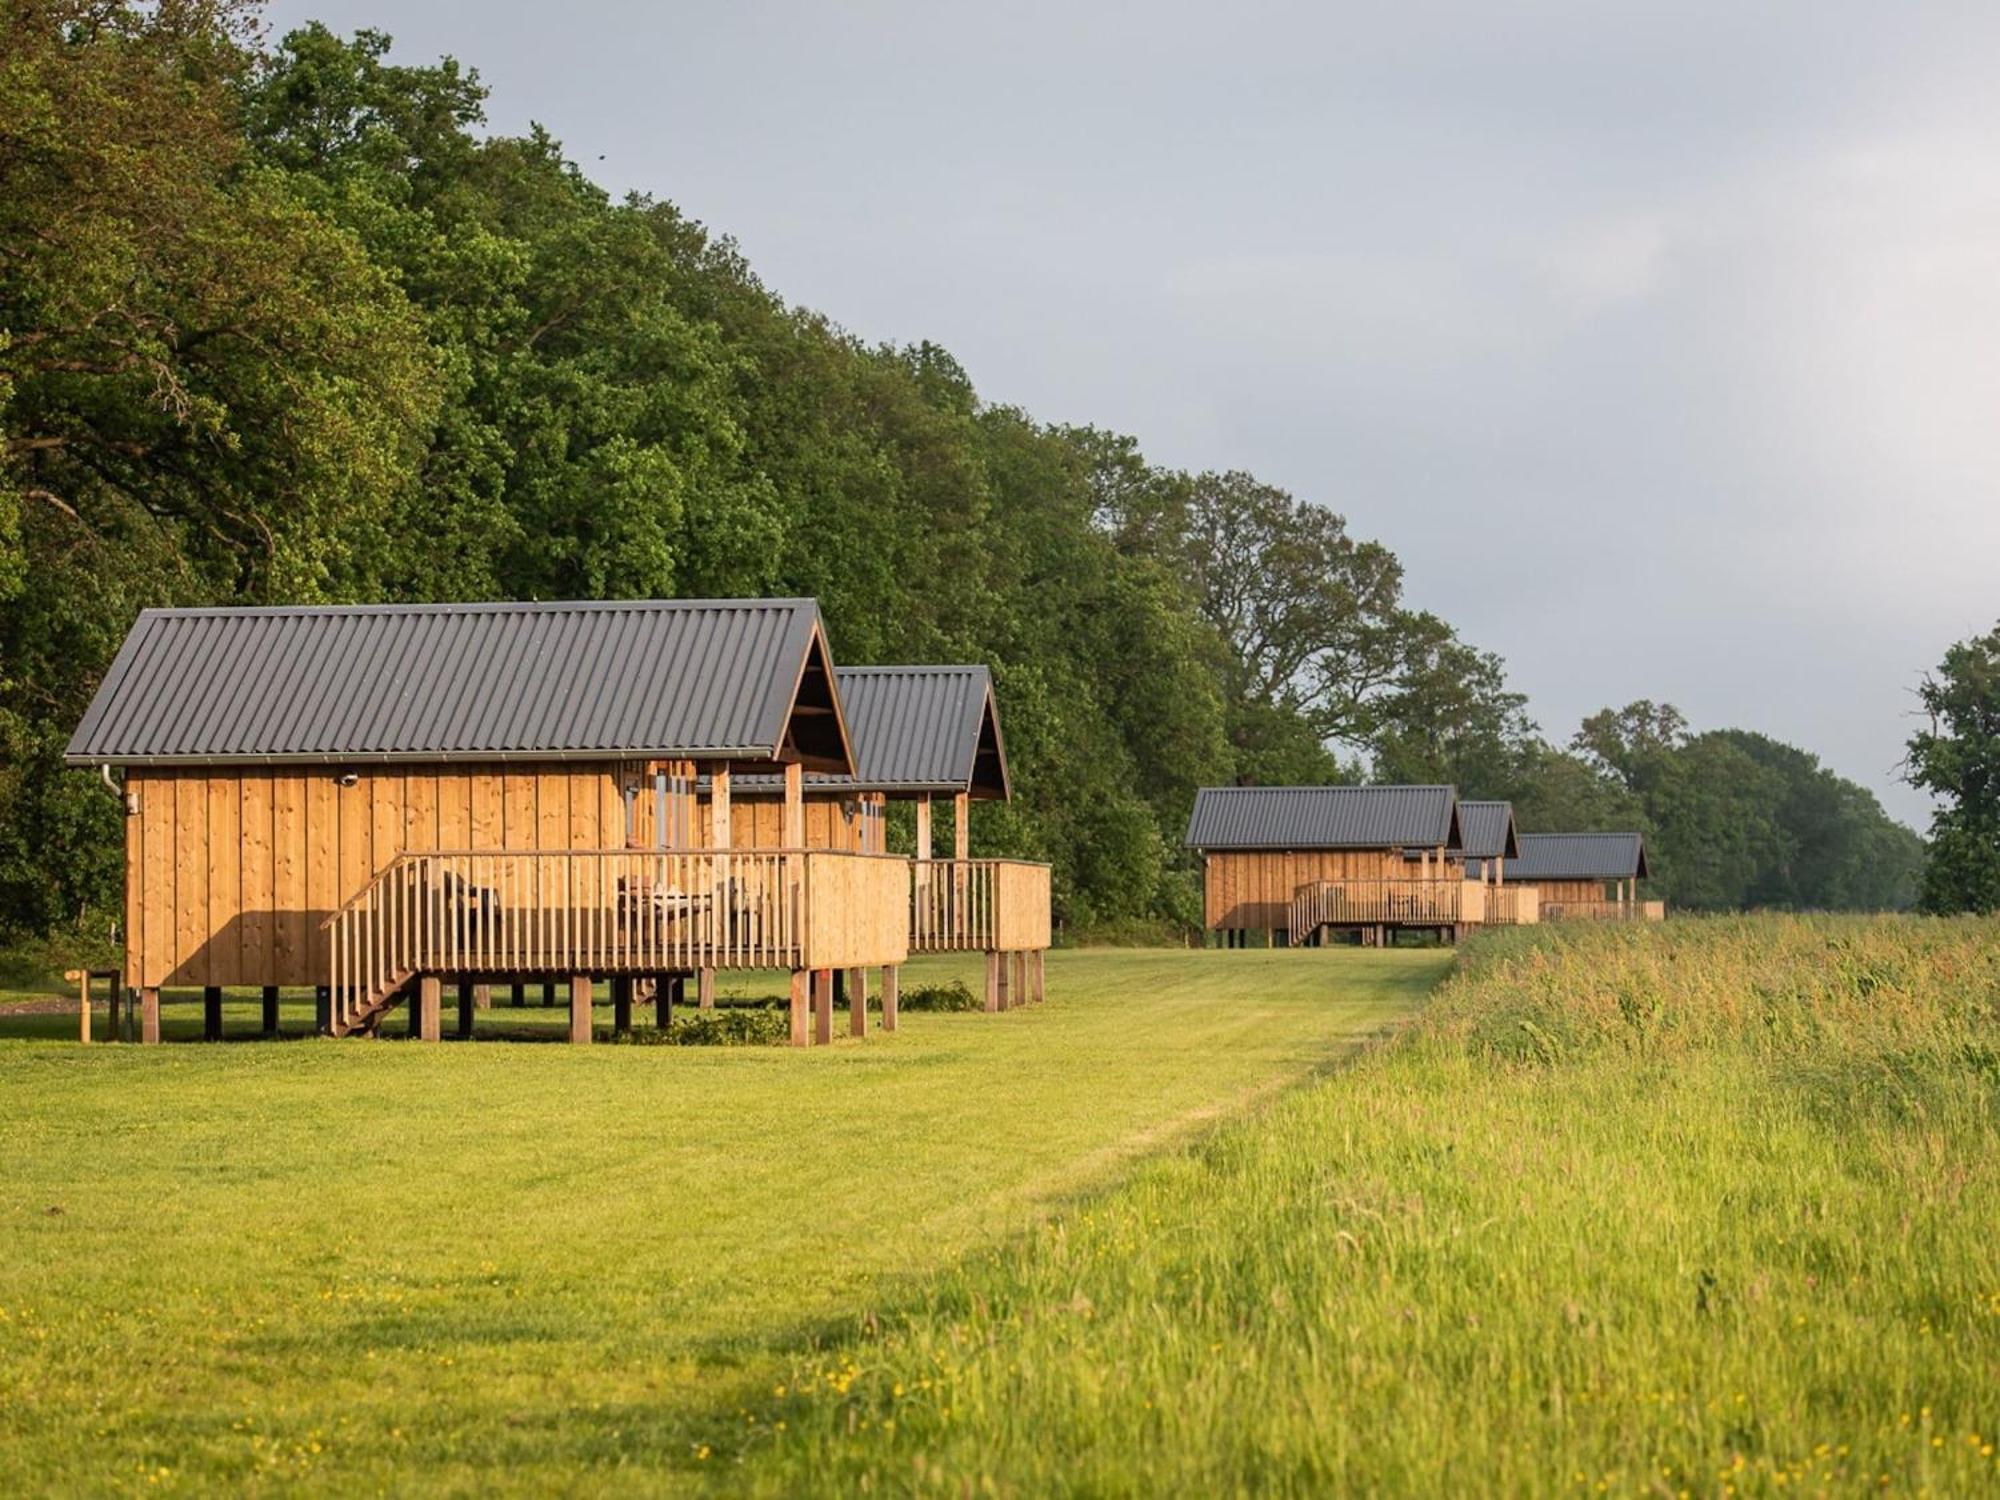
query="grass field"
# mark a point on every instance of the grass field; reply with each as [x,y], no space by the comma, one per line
[344,1267]
[1705,1209]
[1711,1208]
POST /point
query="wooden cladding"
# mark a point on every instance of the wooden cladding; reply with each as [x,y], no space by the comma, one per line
[845,823]
[229,879]
[1254,889]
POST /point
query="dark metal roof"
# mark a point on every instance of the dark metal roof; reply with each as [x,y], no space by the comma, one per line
[1487,829]
[681,678]
[1323,817]
[1578,856]
[915,729]
[920,729]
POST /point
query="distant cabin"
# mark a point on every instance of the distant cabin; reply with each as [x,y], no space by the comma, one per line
[1581,875]
[1373,857]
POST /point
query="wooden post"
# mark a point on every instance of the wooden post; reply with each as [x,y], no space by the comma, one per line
[211,1013]
[82,977]
[1007,1001]
[482,996]
[581,992]
[794,831]
[270,1010]
[149,1016]
[857,1002]
[890,980]
[924,850]
[663,1002]
[424,1022]
[463,992]
[961,825]
[548,992]
[1041,974]
[1021,993]
[992,981]
[520,995]
[799,982]
[621,1005]
[704,989]
[323,1009]
[719,831]
[823,1007]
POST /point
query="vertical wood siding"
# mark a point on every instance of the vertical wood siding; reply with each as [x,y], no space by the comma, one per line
[1254,889]
[228,878]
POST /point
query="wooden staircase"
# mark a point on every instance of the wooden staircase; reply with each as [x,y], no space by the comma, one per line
[364,1017]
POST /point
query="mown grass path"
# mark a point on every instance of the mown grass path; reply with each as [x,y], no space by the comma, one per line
[361,1266]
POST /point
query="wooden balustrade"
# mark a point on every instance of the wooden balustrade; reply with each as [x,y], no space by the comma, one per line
[1386,903]
[978,905]
[615,911]
[1604,911]
[1513,905]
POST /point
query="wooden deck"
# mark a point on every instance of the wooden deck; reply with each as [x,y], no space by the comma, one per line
[1604,911]
[612,912]
[1439,904]
[978,906]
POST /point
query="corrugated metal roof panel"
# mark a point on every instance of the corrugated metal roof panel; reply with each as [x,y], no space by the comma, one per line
[914,729]
[1486,829]
[687,678]
[1578,856]
[1322,817]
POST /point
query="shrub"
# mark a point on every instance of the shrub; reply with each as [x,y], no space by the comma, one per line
[952,996]
[730,1026]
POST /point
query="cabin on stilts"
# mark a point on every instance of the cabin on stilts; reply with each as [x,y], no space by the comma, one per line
[1488,840]
[376,801]
[1298,862]
[929,736]
[1583,876]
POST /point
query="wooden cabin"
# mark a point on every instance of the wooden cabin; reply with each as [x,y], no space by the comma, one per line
[1297,862]
[1488,840]
[923,735]
[1583,875]
[370,801]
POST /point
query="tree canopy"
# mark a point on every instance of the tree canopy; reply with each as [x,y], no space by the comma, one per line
[280,323]
[1957,760]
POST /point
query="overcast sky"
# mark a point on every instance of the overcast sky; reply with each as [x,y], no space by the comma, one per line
[1661,342]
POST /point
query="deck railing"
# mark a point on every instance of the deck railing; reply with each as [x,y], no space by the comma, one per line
[1390,903]
[1513,905]
[1605,911]
[615,911]
[978,905]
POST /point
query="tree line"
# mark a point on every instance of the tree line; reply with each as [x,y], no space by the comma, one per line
[279,323]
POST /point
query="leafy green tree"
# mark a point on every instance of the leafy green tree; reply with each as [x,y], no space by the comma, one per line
[209,391]
[1957,760]
[1450,716]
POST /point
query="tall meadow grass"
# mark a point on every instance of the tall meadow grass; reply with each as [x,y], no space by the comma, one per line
[1709,1208]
